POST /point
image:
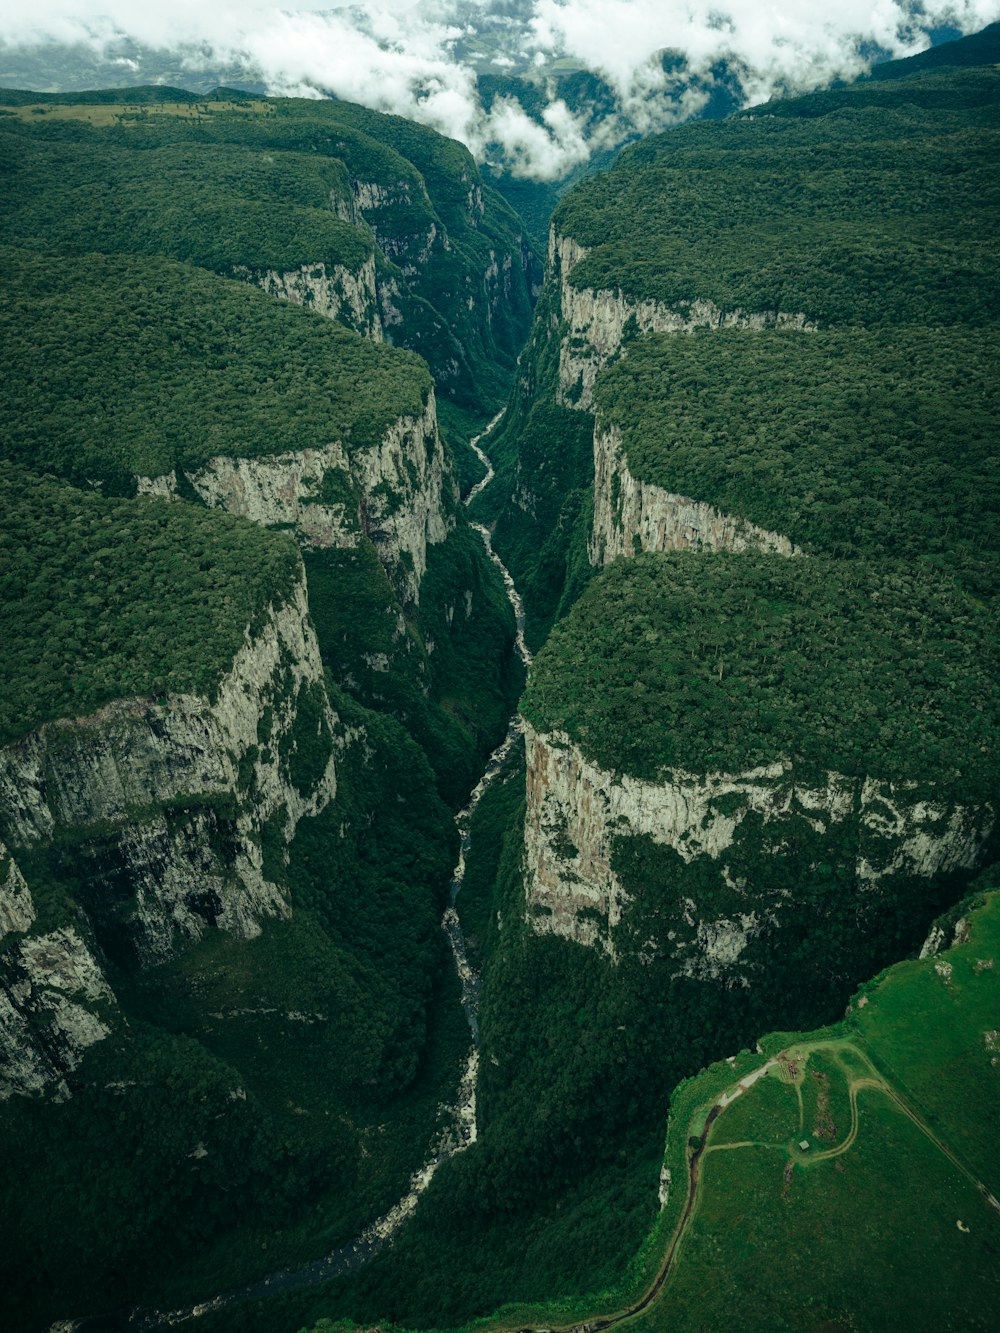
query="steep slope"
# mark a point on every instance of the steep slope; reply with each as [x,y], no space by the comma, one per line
[371,220]
[869,208]
[190,892]
[849,443]
[172,796]
[760,744]
[145,374]
[756,768]
[229,1020]
[894,1095]
[680,802]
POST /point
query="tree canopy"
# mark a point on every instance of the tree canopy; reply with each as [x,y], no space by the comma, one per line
[719,662]
[872,442]
[102,598]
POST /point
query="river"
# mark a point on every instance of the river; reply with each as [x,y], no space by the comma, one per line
[461,1129]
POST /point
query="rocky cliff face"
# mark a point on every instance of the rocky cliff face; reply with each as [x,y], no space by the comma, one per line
[381,205]
[55,1002]
[596,322]
[392,492]
[159,811]
[336,293]
[632,515]
[402,481]
[579,815]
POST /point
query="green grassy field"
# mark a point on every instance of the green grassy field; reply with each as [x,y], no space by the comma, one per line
[889,1217]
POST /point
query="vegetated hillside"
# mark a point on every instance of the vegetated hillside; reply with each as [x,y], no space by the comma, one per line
[224,971]
[881,210]
[707,662]
[88,619]
[870,207]
[850,442]
[803,807]
[224,207]
[901,1093]
[730,752]
[228,1019]
[263,187]
[131,367]
[126,366]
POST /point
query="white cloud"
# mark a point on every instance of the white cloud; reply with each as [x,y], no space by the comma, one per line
[398,55]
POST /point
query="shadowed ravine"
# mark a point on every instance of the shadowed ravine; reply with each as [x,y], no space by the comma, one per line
[461,1131]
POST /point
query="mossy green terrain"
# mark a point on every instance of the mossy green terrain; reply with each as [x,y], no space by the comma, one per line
[266,1098]
[104,597]
[261,185]
[850,442]
[867,208]
[892,1206]
[717,662]
[134,365]
[880,209]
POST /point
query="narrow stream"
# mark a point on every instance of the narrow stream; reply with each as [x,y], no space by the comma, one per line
[461,1131]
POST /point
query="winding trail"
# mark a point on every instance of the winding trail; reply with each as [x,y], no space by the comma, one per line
[871,1081]
[460,1132]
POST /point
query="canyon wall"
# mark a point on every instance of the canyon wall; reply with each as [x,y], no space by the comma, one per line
[394,492]
[579,814]
[163,813]
[632,515]
[596,323]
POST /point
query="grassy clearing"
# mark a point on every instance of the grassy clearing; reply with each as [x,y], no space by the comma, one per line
[854,1239]
[771,1116]
[103,114]
[864,1223]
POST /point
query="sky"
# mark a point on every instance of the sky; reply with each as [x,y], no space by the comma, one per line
[415,57]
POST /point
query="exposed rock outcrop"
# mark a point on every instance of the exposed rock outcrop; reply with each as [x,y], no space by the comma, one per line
[577,812]
[632,515]
[403,481]
[55,1001]
[54,998]
[279,491]
[17,911]
[372,196]
[392,492]
[596,323]
[152,783]
[167,807]
[382,206]
[338,293]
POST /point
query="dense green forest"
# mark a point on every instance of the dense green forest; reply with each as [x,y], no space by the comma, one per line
[101,598]
[856,442]
[864,208]
[882,214]
[449,677]
[219,206]
[255,184]
[879,210]
[716,662]
[263,1099]
[260,1100]
[119,366]
[133,365]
